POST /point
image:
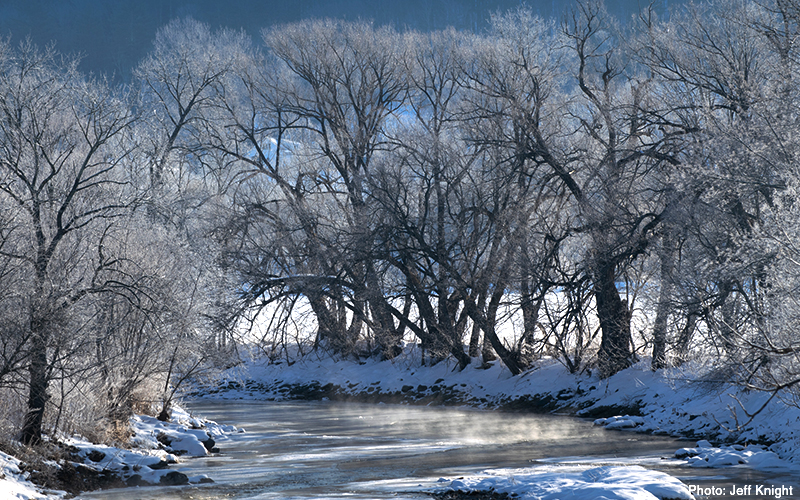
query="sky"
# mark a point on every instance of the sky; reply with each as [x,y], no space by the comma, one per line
[113,35]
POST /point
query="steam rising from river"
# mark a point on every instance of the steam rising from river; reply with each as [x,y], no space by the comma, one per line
[449,426]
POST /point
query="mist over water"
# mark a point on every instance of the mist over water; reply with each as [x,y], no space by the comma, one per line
[332,450]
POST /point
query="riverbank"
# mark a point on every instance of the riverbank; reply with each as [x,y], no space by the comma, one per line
[71,465]
[686,402]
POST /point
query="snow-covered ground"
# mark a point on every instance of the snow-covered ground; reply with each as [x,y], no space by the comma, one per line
[13,483]
[607,483]
[156,446]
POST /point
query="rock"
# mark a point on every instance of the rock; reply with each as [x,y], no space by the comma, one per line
[136,480]
[96,456]
[174,478]
[164,438]
[209,444]
[687,452]
[161,464]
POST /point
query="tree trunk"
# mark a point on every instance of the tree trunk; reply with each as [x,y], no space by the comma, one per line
[37,369]
[37,395]
[727,325]
[664,303]
[475,336]
[486,323]
[685,337]
[474,340]
[389,336]
[487,352]
[530,316]
[615,322]
[329,329]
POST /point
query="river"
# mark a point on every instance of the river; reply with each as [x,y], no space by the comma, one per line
[326,450]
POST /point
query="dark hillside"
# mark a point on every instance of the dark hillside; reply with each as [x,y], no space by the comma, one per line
[113,36]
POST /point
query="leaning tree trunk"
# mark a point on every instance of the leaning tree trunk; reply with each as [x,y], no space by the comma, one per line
[486,322]
[615,322]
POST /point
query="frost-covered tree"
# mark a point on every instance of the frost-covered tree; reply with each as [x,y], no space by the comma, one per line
[588,124]
[725,72]
[304,130]
[63,139]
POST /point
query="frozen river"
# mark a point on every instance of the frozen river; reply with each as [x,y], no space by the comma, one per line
[316,450]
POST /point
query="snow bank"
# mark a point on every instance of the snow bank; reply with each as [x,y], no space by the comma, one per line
[184,435]
[157,446]
[679,402]
[13,483]
[755,456]
[610,483]
[477,386]
[620,422]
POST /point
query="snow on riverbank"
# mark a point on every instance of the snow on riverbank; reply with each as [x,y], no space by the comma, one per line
[609,483]
[13,483]
[680,402]
[156,446]
[755,456]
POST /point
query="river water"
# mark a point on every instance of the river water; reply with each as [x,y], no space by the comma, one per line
[326,450]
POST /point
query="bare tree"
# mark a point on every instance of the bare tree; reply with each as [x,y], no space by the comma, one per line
[513,82]
[178,88]
[416,186]
[722,74]
[62,145]
[335,86]
[582,121]
[177,82]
